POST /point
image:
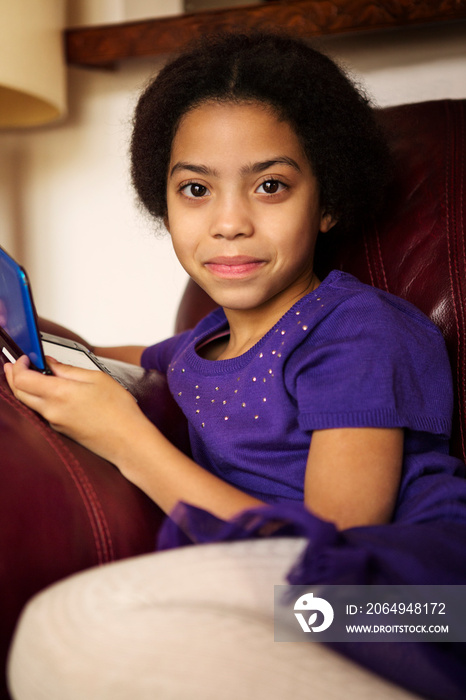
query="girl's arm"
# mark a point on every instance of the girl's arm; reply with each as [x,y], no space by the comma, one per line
[129,353]
[93,409]
[124,353]
[352,475]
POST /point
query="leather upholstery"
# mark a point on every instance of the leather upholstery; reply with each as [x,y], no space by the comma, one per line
[63,509]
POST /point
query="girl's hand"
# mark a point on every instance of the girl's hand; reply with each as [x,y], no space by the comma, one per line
[93,409]
[86,405]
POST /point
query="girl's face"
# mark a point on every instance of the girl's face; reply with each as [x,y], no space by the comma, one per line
[243,206]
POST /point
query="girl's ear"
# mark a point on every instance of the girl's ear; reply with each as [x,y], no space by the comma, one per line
[327,221]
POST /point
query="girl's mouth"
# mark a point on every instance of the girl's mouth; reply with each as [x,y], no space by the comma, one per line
[235,267]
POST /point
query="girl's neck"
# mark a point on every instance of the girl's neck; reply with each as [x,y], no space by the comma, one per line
[248,326]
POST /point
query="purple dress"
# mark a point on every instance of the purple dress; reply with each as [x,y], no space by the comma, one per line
[345,355]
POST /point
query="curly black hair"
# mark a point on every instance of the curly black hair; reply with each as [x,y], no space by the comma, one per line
[332,118]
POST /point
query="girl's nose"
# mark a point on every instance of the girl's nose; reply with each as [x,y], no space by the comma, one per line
[231,218]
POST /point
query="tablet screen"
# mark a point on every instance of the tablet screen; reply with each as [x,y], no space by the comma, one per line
[69,356]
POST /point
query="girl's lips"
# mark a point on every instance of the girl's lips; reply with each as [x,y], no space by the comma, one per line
[234,267]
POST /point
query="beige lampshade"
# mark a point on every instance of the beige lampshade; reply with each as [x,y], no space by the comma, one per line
[32,66]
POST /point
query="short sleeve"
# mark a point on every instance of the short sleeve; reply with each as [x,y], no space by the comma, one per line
[373,361]
[160,355]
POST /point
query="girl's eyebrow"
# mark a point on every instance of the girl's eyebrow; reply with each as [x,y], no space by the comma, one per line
[198,169]
[246,169]
[266,164]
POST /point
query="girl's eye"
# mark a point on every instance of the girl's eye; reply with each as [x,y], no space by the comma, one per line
[271,187]
[194,190]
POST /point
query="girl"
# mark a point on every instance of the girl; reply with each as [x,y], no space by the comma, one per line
[245,182]
[309,402]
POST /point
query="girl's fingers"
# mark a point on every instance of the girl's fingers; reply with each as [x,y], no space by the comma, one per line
[25,382]
[77,374]
[20,371]
[12,370]
[8,372]
[23,361]
[29,394]
[20,364]
[22,380]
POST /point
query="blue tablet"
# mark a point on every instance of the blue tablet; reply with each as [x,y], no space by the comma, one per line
[18,316]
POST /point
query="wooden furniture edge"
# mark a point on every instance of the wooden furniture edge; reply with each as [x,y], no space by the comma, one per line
[104,46]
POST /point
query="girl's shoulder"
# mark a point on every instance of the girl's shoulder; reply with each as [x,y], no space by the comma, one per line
[349,303]
[160,355]
[369,357]
[360,324]
[368,325]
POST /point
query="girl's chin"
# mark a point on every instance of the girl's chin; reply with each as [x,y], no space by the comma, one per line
[238,300]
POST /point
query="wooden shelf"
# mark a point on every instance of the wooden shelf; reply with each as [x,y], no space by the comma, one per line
[105,46]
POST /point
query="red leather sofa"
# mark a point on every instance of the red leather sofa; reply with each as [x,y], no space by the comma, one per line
[63,509]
